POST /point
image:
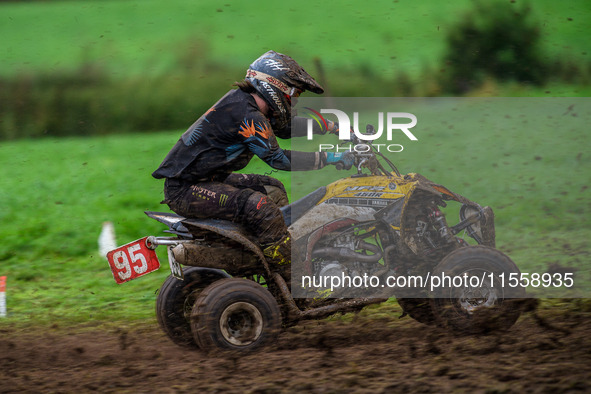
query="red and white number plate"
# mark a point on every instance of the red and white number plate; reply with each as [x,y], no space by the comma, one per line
[132,260]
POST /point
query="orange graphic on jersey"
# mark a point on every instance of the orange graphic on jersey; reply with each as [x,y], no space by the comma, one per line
[212,109]
[249,130]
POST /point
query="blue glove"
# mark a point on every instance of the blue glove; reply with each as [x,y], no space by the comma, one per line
[346,159]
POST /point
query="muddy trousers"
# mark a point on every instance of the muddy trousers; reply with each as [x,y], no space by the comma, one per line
[250,200]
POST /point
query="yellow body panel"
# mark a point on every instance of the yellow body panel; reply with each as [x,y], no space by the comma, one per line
[370,187]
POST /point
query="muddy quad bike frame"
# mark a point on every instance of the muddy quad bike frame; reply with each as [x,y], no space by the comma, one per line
[183,249]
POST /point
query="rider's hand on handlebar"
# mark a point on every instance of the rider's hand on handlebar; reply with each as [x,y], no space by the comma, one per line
[333,127]
[335,130]
[342,160]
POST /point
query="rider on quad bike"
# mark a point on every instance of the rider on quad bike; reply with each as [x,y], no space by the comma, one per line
[245,122]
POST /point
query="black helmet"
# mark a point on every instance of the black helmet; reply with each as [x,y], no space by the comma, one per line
[277,77]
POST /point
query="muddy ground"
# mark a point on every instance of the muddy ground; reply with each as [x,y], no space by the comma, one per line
[548,350]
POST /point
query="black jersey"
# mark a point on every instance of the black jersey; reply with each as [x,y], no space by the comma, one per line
[225,139]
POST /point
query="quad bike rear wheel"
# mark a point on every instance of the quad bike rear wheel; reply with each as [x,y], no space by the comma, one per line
[175,301]
[235,314]
[480,303]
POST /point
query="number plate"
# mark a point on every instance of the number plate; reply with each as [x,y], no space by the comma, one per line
[132,260]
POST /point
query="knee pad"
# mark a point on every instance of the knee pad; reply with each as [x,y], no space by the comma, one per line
[277,195]
[263,217]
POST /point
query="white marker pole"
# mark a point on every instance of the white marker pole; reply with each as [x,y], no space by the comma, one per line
[106,240]
[2,296]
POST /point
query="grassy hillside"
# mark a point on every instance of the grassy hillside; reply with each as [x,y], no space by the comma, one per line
[103,67]
[151,37]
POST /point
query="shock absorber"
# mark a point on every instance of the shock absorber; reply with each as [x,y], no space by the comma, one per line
[439,220]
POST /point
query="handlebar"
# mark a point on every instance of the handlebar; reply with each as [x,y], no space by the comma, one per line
[368,158]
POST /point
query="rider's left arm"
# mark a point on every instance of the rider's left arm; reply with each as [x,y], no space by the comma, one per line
[299,128]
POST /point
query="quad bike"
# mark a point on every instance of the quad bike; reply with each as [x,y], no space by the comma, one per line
[378,223]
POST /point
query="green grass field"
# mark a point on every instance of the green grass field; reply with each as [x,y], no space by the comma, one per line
[147,37]
[56,193]
[59,191]
[102,67]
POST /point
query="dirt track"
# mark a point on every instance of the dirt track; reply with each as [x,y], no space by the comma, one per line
[548,351]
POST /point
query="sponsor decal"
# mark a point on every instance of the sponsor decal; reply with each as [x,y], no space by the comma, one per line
[366,187]
[276,65]
[359,201]
[262,202]
[268,78]
[202,193]
[369,194]
[223,200]
[274,96]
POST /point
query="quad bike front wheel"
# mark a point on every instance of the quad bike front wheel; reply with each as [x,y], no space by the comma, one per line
[175,301]
[476,301]
[235,314]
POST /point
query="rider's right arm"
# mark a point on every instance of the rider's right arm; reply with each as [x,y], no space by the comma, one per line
[256,133]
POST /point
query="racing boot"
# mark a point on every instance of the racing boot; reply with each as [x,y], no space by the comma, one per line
[279,255]
[279,252]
